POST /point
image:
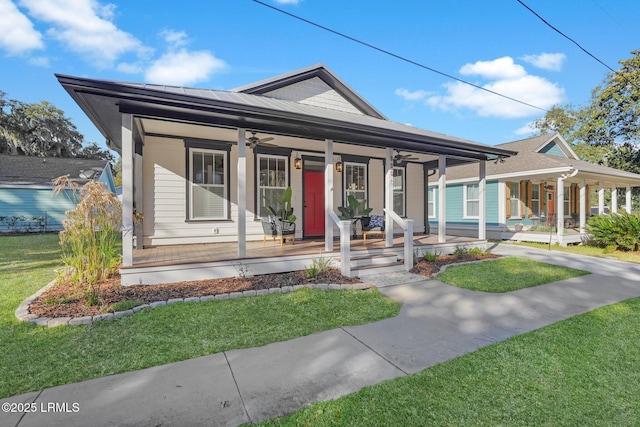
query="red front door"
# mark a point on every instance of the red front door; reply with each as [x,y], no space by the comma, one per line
[313,203]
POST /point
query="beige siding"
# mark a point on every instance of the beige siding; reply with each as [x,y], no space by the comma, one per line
[314,92]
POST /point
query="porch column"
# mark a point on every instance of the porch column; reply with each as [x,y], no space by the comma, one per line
[627,204]
[601,198]
[482,203]
[328,195]
[242,194]
[127,190]
[138,196]
[560,209]
[442,190]
[388,197]
[583,206]
[614,199]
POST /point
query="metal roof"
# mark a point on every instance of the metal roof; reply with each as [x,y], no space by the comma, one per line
[104,101]
[28,170]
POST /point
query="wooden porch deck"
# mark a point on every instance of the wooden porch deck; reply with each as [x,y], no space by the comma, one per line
[217,252]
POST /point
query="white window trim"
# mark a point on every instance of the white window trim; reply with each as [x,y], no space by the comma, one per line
[466,200]
[259,187]
[347,191]
[431,193]
[404,191]
[567,202]
[225,186]
[518,215]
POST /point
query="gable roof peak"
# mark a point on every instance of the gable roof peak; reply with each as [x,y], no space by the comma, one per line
[320,71]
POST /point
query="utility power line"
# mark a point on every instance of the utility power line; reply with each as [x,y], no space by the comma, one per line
[402,58]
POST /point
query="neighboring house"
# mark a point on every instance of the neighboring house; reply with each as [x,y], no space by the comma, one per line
[27,201]
[545,186]
[201,165]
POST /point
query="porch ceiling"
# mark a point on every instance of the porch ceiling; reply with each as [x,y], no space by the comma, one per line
[105,101]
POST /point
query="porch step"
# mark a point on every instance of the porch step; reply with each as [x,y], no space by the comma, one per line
[374,269]
[368,260]
[368,265]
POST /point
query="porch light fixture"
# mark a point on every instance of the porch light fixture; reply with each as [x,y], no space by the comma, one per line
[338,166]
[297,163]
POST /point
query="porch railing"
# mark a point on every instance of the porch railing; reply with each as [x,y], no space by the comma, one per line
[345,243]
[407,227]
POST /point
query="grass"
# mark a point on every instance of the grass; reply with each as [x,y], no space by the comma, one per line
[506,274]
[587,250]
[33,357]
[581,371]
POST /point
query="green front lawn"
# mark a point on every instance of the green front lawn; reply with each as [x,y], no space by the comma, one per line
[33,357]
[505,274]
[578,372]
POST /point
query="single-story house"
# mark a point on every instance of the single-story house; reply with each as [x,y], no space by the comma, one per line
[200,166]
[542,192]
[27,201]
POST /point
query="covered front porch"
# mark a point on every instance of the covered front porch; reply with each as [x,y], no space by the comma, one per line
[174,263]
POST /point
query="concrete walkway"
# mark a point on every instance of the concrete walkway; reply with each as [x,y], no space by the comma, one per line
[437,323]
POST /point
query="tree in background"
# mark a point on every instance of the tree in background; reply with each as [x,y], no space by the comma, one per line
[608,130]
[42,130]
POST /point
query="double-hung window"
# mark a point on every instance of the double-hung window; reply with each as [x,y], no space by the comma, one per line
[567,201]
[515,199]
[355,180]
[535,200]
[207,184]
[399,191]
[471,201]
[273,180]
[431,202]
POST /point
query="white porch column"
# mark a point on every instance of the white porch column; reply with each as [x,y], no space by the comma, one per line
[442,190]
[127,190]
[601,198]
[560,209]
[138,199]
[242,194]
[328,195]
[583,206]
[627,203]
[482,203]
[614,199]
[388,197]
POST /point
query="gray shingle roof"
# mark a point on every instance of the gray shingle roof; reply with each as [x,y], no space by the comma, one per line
[26,170]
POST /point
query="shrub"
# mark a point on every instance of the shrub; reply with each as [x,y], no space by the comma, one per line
[91,237]
[431,257]
[478,251]
[460,251]
[318,266]
[619,230]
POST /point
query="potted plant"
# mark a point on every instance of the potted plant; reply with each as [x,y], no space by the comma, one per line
[283,210]
[355,209]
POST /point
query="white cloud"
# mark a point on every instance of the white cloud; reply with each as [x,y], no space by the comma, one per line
[506,78]
[525,130]
[501,68]
[17,34]
[86,27]
[174,38]
[412,96]
[183,67]
[546,61]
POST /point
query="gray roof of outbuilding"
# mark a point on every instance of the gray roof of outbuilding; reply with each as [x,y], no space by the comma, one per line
[27,170]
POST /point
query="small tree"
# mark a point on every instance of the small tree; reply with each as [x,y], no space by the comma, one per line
[91,237]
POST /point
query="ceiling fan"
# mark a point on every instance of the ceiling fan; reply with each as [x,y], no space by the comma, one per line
[398,158]
[253,141]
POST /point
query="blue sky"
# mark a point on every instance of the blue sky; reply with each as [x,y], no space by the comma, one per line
[224,44]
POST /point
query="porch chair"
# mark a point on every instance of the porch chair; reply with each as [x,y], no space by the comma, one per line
[285,229]
[269,228]
[373,224]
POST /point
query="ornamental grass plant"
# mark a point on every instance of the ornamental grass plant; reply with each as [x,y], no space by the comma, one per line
[91,237]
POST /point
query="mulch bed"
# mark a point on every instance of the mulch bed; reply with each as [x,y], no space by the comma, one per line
[428,269]
[66,299]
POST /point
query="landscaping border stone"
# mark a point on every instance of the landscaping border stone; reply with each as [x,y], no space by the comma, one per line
[22,312]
